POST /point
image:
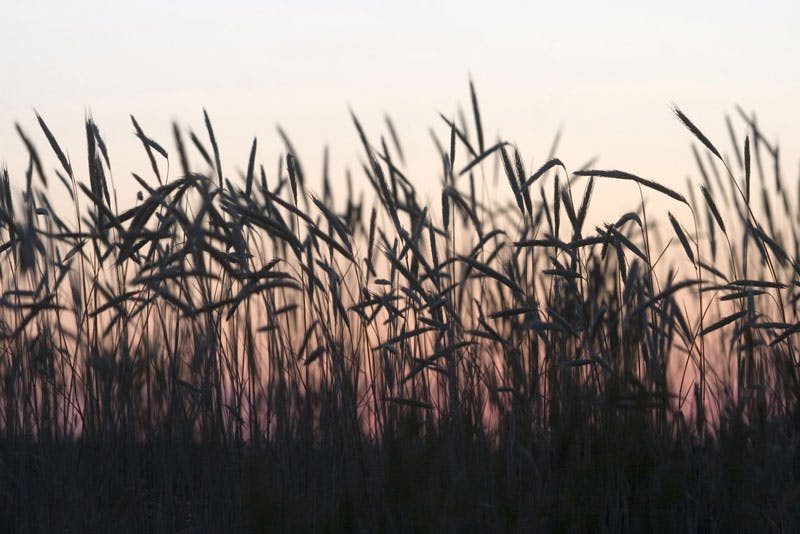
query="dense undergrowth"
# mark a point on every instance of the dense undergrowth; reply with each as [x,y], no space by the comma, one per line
[246,355]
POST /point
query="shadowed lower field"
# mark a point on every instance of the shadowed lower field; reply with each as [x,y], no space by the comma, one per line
[248,355]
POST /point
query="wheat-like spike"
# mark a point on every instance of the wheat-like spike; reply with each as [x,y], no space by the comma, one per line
[621,175]
[477,115]
[696,132]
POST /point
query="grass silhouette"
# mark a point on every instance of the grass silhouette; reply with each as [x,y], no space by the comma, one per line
[246,355]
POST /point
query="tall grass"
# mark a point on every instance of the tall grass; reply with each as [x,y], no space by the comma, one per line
[245,354]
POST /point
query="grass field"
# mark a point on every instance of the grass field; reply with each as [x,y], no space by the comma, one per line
[243,353]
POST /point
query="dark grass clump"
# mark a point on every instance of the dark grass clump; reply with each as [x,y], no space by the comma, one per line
[247,355]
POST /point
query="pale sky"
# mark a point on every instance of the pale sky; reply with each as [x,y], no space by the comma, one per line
[605,74]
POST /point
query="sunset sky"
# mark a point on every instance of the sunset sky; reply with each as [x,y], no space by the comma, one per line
[606,75]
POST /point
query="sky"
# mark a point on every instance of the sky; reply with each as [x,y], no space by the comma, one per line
[605,74]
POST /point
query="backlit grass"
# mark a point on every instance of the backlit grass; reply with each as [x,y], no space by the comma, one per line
[244,353]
